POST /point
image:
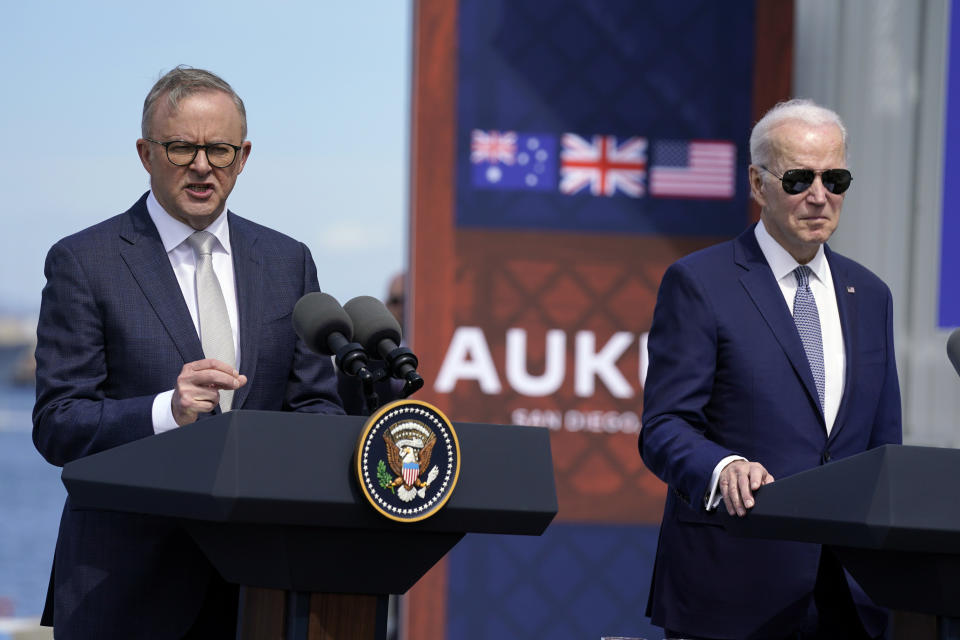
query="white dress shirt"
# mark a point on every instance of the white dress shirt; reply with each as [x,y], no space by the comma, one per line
[173,234]
[834,358]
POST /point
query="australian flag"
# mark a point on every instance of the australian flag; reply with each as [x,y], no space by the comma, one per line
[509,160]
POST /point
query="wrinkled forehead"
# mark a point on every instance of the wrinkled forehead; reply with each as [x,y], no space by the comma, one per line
[798,144]
[208,104]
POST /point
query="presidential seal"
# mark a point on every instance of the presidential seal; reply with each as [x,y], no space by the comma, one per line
[408,460]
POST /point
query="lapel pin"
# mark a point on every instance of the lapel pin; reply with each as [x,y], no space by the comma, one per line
[850,289]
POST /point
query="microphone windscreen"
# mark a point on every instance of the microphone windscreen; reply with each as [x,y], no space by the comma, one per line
[372,322]
[953,350]
[316,316]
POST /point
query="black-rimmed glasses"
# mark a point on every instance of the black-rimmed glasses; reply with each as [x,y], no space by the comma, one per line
[219,154]
[796,181]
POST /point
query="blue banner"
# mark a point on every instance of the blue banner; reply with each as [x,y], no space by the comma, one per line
[607,117]
[574,583]
[950,232]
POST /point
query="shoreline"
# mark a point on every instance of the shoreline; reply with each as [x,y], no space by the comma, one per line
[24,629]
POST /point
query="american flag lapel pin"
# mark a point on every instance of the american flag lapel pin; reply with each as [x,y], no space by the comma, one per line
[850,289]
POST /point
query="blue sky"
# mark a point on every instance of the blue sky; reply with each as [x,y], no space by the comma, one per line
[326,86]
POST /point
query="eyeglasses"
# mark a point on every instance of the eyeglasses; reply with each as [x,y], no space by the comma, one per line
[796,181]
[219,154]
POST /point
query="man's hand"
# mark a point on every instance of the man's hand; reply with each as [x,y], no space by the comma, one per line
[198,386]
[738,481]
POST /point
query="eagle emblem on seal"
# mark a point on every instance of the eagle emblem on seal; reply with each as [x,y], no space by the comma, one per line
[407,460]
[409,446]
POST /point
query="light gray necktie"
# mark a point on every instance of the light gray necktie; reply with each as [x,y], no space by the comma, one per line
[216,336]
[807,318]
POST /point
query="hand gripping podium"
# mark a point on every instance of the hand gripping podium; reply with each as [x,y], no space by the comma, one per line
[891,514]
[272,501]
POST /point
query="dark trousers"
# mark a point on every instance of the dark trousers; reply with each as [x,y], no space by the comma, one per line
[832,616]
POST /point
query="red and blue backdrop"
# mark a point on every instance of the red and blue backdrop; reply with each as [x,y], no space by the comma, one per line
[564,154]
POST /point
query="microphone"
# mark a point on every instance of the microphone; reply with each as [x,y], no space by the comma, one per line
[953,350]
[379,332]
[326,328]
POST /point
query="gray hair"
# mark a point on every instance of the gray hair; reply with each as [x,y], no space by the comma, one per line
[183,81]
[761,147]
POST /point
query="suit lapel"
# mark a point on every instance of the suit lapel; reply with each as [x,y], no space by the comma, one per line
[847,305]
[768,298]
[249,279]
[143,253]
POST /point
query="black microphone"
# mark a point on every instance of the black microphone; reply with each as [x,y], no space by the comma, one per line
[379,332]
[322,323]
[953,350]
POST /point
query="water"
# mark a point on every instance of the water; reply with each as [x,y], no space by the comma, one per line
[31,497]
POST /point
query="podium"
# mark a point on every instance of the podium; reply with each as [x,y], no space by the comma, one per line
[272,501]
[890,514]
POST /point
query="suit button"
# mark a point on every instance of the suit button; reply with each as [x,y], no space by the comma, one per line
[826,456]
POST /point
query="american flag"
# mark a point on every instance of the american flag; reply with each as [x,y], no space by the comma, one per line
[693,169]
[603,165]
[493,146]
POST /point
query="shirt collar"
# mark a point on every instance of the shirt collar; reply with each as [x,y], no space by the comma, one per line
[173,232]
[781,262]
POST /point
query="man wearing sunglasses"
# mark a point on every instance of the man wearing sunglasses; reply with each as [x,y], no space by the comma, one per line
[769,354]
[156,319]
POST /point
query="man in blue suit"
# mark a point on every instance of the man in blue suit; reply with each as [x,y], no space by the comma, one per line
[122,354]
[769,354]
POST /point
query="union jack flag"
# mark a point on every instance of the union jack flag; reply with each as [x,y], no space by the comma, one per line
[603,165]
[493,146]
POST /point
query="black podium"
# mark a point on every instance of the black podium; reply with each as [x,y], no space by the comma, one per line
[891,514]
[272,500]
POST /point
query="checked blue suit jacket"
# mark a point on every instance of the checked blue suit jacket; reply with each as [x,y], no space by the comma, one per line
[114,330]
[728,375]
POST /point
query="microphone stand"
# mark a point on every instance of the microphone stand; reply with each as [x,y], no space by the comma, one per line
[412,382]
[399,363]
[370,396]
[352,360]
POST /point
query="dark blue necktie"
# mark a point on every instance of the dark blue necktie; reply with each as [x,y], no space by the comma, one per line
[807,318]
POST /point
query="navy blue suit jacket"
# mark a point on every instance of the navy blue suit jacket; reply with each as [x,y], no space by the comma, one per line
[728,375]
[114,330]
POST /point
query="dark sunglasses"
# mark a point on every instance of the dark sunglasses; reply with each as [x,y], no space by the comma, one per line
[796,181]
